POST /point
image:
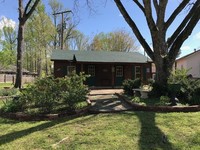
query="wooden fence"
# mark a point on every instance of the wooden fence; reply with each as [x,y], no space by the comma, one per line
[10,78]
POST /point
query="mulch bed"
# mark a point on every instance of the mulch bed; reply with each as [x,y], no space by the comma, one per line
[137,107]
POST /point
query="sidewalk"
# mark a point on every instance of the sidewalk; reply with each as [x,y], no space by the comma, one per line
[105,91]
[105,101]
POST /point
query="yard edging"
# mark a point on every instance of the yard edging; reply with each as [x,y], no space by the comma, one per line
[41,117]
[138,107]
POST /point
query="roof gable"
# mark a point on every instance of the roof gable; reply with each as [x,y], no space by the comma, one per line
[189,55]
[98,56]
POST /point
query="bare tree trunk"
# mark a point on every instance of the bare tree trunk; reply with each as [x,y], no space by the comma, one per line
[20,47]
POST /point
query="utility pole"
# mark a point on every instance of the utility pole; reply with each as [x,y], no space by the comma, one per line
[62,23]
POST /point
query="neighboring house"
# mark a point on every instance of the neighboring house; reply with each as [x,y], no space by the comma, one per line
[106,69]
[190,62]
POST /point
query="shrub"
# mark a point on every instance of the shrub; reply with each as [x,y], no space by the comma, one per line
[11,105]
[164,100]
[189,87]
[157,90]
[129,85]
[195,100]
[76,91]
[8,92]
[48,94]
[136,100]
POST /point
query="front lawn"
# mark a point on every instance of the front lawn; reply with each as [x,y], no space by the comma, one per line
[127,130]
[2,85]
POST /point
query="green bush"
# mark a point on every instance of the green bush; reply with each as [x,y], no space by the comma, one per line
[189,87]
[129,85]
[194,100]
[8,92]
[157,90]
[164,100]
[76,91]
[48,94]
[11,105]
[136,99]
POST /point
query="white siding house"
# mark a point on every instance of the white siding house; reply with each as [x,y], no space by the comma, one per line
[191,62]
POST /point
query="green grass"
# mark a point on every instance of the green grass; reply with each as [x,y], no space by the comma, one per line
[6,85]
[127,130]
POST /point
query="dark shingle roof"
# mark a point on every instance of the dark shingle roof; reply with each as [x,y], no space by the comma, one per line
[99,56]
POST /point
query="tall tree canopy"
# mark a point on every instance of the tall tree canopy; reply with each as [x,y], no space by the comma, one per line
[38,38]
[164,49]
[118,40]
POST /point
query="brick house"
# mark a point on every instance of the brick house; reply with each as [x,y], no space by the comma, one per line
[106,68]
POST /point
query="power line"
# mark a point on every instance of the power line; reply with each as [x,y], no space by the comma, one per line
[62,23]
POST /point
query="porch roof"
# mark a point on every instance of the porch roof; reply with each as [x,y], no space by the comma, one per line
[99,56]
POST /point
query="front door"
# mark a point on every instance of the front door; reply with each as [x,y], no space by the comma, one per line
[104,75]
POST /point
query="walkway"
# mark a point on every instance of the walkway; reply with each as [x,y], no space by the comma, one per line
[106,101]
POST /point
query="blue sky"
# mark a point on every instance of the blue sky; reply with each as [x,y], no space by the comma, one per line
[107,18]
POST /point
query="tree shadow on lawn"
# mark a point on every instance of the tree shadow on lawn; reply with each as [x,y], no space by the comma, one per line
[151,137]
[19,134]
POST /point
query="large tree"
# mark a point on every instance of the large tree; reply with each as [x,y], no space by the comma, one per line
[38,36]
[164,49]
[118,40]
[24,14]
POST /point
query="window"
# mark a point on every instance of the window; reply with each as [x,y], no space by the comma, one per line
[137,72]
[71,69]
[91,70]
[119,71]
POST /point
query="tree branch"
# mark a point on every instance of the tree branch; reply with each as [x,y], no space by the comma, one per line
[28,14]
[139,5]
[184,34]
[175,13]
[183,23]
[161,14]
[149,17]
[155,3]
[134,29]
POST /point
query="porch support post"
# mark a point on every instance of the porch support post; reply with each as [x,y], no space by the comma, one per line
[82,68]
[113,75]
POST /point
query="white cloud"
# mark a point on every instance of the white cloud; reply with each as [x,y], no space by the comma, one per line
[6,22]
[185,48]
[197,36]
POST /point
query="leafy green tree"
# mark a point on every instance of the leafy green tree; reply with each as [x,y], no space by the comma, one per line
[118,40]
[8,47]
[56,7]
[79,41]
[10,39]
[39,35]
[164,49]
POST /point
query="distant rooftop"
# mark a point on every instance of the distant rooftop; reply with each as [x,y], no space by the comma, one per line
[99,56]
[193,53]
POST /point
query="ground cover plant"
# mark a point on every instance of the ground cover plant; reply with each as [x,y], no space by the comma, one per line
[127,130]
[50,95]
